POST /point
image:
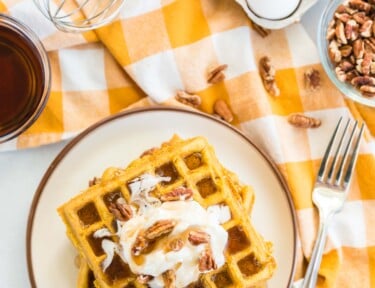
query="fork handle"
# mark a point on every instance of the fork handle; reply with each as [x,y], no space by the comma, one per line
[316,257]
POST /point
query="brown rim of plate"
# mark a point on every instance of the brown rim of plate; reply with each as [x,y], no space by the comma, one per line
[126,113]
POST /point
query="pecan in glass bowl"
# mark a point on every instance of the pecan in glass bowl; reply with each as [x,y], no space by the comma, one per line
[346,45]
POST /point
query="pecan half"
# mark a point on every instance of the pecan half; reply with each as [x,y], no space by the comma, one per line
[169,278]
[366,29]
[346,50]
[160,228]
[266,69]
[175,244]
[351,30]
[197,237]
[366,63]
[346,65]
[363,80]
[341,75]
[369,45]
[121,210]
[341,9]
[206,261]
[360,5]
[222,109]
[312,79]
[216,75]
[367,90]
[334,52]
[343,17]
[140,244]
[358,48]
[188,99]
[350,10]
[302,121]
[340,33]
[177,194]
[360,17]
[331,31]
[267,73]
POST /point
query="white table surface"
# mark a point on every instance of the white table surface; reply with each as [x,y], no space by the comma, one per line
[20,173]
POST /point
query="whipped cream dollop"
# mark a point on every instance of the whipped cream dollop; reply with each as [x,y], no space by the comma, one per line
[187,215]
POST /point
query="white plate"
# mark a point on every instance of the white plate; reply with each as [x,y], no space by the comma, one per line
[118,140]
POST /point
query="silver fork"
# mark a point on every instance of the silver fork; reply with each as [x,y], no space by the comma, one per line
[331,187]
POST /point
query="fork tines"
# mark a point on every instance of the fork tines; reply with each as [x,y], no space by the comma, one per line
[341,154]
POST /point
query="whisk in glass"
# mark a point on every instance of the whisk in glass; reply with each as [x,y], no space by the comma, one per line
[79,15]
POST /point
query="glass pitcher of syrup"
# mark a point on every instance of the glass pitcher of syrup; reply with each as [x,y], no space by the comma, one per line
[24,77]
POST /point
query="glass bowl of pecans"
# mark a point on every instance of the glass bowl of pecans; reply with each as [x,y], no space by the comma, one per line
[346,44]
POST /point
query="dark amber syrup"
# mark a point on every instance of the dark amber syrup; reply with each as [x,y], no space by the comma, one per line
[21,79]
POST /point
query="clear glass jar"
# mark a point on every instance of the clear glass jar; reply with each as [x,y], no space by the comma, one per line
[25,77]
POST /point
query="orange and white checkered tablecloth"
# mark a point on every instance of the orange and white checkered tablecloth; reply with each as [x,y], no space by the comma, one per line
[157,47]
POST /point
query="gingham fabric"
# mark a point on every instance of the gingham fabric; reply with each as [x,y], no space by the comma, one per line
[165,46]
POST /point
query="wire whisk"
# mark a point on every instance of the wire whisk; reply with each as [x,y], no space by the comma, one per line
[79,15]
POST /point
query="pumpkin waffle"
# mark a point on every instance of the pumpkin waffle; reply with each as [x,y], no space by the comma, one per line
[86,277]
[190,163]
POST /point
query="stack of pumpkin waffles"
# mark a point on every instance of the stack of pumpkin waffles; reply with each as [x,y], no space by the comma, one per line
[175,217]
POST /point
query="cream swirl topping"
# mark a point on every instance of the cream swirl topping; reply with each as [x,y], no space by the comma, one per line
[186,215]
